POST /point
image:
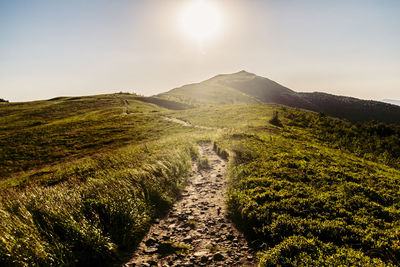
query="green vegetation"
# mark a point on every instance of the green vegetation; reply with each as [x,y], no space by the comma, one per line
[3,100]
[82,178]
[309,201]
[46,133]
[210,92]
[373,140]
[204,163]
[248,88]
[275,120]
[110,203]
[98,170]
[320,191]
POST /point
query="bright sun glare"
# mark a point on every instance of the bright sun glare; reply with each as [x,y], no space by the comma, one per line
[201,20]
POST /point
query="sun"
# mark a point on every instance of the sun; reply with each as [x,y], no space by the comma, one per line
[201,20]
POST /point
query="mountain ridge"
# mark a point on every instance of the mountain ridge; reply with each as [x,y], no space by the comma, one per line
[248,88]
[391,101]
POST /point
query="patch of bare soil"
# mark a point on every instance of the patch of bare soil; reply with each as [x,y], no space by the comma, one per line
[197,232]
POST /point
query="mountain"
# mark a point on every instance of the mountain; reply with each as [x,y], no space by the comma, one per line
[392,101]
[214,91]
[247,88]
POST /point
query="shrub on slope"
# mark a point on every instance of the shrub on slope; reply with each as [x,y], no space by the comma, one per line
[308,203]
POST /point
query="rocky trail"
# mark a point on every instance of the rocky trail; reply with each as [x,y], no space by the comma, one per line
[187,124]
[196,231]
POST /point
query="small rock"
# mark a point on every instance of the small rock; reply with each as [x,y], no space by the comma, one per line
[200,253]
[218,257]
[150,242]
[204,259]
[150,250]
[188,239]
[152,263]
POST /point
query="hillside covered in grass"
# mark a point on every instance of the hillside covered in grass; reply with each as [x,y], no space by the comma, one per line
[42,134]
[248,88]
[83,178]
[317,191]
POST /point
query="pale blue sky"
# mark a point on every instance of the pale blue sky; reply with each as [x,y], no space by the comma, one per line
[82,47]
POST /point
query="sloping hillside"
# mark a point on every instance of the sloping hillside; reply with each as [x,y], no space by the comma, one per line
[244,87]
[83,178]
[43,133]
[209,92]
[352,109]
[318,191]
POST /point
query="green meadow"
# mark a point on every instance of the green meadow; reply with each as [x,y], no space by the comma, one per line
[317,191]
[83,178]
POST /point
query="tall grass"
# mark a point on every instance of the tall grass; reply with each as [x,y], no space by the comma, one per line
[107,206]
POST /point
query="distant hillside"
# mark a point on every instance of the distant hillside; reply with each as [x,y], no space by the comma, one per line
[244,87]
[164,103]
[392,101]
[40,133]
[209,92]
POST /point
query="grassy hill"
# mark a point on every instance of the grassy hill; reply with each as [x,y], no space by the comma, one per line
[317,191]
[43,133]
[209,92]
[244,87]
[82,178]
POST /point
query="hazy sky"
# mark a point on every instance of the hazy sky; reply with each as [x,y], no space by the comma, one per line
[82,47]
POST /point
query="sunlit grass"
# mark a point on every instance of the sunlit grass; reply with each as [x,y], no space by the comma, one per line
[84,178]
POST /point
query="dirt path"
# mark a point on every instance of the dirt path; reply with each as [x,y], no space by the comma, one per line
[187,124]
[196,231]
[181,122]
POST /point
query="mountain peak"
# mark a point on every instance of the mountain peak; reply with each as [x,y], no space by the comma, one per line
[243,72]
[247,88]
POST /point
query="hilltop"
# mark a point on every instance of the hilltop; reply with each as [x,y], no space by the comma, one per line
[247,88]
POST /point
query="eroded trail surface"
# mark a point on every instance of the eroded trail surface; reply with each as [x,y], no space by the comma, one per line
[196,231]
